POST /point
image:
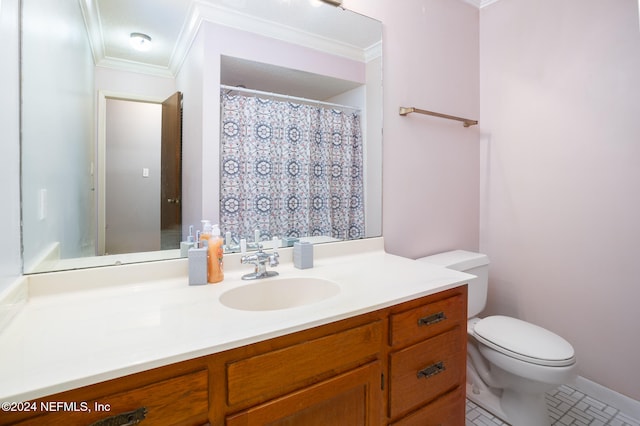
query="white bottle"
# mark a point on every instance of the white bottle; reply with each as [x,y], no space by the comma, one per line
[186,245]
[198,255]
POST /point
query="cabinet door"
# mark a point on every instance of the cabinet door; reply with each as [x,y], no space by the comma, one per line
[350,399]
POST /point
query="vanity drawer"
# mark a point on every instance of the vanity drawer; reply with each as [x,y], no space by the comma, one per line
[447,410]
[275,373]
[425,370]
[181,400]
[427,320]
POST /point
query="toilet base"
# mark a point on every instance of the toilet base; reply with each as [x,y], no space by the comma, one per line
[525,409]
[522,410]
[487,400]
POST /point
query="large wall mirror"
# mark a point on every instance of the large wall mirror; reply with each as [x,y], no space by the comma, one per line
[124,149]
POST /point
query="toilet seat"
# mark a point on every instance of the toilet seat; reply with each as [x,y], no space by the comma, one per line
[524,341]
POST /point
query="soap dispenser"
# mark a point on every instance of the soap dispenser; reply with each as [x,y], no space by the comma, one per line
[216,249]
[211,233]
[198,255]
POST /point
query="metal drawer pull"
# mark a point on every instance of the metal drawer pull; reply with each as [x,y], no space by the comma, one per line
[124,419]
[432,319]
[432,370]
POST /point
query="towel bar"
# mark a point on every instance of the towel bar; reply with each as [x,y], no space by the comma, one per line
[465,121]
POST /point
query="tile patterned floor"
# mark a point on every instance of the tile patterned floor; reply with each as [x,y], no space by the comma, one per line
[567,406]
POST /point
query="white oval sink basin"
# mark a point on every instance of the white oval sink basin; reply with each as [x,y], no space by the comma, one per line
[273,294]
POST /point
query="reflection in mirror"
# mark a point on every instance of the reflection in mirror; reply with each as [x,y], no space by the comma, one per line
[75,58]
[292,168]
[139,178]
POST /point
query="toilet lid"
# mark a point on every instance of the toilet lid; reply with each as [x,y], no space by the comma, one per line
[522,340]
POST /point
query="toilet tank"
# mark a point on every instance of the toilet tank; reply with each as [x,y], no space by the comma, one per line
[472,263]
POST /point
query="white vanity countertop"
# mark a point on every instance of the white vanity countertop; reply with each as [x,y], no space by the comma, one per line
[125,319]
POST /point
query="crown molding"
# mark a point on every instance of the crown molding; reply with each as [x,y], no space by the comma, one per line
[201,11]
[138,67]
[372,52]
[94,29]
[186,37]
[480,3]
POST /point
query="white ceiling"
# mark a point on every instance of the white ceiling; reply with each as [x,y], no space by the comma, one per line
[172,25]
[114,20]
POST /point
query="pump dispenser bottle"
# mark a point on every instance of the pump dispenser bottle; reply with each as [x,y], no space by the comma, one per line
[215,243]
[216,249]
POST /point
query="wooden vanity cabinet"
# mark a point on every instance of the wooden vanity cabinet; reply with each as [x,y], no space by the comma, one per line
[402,366]
[427,362]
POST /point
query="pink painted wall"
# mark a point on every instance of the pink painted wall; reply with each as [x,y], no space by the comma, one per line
[560,122]
[430,165]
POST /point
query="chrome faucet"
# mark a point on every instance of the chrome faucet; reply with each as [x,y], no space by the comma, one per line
[259,259]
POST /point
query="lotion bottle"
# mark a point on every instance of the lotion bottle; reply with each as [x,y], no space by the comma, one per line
[205,236]
[216,250]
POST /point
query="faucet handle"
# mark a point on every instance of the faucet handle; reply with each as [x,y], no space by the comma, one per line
[273,259]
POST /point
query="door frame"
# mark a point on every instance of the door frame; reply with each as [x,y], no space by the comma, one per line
[171,171]
[100,160]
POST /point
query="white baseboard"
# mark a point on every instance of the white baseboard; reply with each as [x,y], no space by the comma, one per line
[626,405]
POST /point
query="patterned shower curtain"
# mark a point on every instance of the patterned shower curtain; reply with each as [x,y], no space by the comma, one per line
[290,169]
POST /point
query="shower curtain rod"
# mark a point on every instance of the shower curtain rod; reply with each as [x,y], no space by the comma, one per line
[288,97]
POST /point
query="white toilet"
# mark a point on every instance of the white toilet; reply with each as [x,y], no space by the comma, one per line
[510,363]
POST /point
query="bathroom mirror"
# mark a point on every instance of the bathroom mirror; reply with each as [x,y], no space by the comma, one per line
[76,60]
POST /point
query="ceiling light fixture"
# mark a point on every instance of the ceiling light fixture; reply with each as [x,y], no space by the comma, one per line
[141,42]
